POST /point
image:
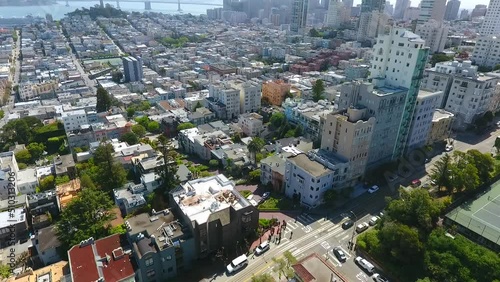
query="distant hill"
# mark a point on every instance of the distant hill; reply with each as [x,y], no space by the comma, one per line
[26,2]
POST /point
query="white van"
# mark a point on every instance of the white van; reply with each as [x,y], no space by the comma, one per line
[237,264]
[366,265]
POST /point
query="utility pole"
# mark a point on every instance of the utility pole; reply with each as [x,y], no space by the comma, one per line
[351,243]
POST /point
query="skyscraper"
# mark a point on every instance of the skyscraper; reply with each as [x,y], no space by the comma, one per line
[370,17]
[491,23]
[372,5]
[336,14]
[431,9]
[132,68]
[299,15]
[399,10]
[452,8]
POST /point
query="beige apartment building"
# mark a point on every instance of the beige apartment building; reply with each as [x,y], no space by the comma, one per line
[348,134]
[275,91]
[442,122]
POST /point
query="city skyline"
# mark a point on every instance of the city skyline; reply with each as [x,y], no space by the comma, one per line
[464,5]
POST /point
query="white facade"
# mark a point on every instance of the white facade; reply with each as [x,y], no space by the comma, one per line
[27,181]
[427,102]
[306,179]
[250,95]
[336,14]
[491,23]
[26,92]
[486,51]
[467,93]
[435,35]
[251,124]
[228,96]
[73,120]
[432,9]
[395,57]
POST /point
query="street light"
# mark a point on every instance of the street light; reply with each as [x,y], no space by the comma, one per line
[354,229]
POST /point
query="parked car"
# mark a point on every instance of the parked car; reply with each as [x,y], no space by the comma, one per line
[374,220]
[339,253]
[348,224]
[379,278]
[364,264]
[448,148]
[362,227]
[416,182]
[262,248]
[373,189]
[266,195]
[237,264]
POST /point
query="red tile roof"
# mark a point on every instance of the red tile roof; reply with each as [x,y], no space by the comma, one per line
[84,266]
[303,273]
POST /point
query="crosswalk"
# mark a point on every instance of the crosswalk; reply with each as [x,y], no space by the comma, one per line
[303,222]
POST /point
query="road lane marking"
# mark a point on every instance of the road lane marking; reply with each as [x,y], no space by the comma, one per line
[325,245]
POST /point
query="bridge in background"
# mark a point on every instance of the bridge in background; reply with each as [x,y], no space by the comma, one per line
[147,3]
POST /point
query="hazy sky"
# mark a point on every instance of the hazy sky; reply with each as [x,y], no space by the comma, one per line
[465,4]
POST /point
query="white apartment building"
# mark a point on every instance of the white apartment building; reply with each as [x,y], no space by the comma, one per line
[435,35]
[491,23]
[442,122]
[250,95]
[192,141]
[427,102]
[26,92]
[336,14]
[309,176]
[73,120]
[431,9]
[487,51]
[251,124]
[228,96]
[349,134]
[467,93]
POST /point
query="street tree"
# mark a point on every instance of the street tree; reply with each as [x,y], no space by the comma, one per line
[86,216]
[130,138]
[255,146]
[110,174]
[401,243]
[153,126]
[265,277]
[484,163]
[103,100]
[139,130]
[440,173]
[167,171]
[317,90]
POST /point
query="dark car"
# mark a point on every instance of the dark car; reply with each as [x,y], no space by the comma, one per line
[348,224]
[339,253]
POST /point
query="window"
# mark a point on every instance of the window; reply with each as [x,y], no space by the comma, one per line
[151,273]
[149,261]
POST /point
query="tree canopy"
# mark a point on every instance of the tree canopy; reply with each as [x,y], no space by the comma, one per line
[116,76]
[185,125]
[106,167]
[255,146]
[103,100]
[130,138]
[317,90]
[168,171]
[86,216]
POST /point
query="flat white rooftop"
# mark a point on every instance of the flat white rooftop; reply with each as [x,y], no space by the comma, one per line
[200,198]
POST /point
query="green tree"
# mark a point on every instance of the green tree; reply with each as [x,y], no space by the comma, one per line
[107,166]
[236,137]
[103,100]
[47,183]
[330,196]
[484,163]
[254,175]
[185,125]
[265,277]
[5,271]
[439,57]
[314,33]
[255,146]
[197,106]
[153,126]
[168,171]
[277,120]
[61,180]
[130,112]
[139,130]
[2,114]
[317,90]
[213,163]
[24,156]
[415,208]
[130,138]
[401,243]
[440,173]
[86,181]
[86,216]
[116,76]
[36,150]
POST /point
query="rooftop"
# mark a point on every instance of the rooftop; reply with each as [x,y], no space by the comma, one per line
[47,238]
[441,114]
[313,167]
[425,93]
[104,258]
[14,217]
[314,268]
[205,198]
[53,272]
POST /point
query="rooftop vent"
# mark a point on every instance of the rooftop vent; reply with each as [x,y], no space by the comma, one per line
[118,253]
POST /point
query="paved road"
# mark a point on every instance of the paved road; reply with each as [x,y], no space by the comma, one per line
[316,234]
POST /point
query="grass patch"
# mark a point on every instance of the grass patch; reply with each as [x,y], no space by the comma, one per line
[265,223]
[245,193]
[278,203]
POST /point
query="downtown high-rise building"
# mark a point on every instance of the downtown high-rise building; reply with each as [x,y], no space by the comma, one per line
[491,23]
[452,8]
[400,8]
[132,69]
[487,45]
[299,15]
[431,9]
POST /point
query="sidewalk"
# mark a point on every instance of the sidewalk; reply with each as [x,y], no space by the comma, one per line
[265,237]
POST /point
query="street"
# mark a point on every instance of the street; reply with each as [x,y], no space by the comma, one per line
[314,233]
